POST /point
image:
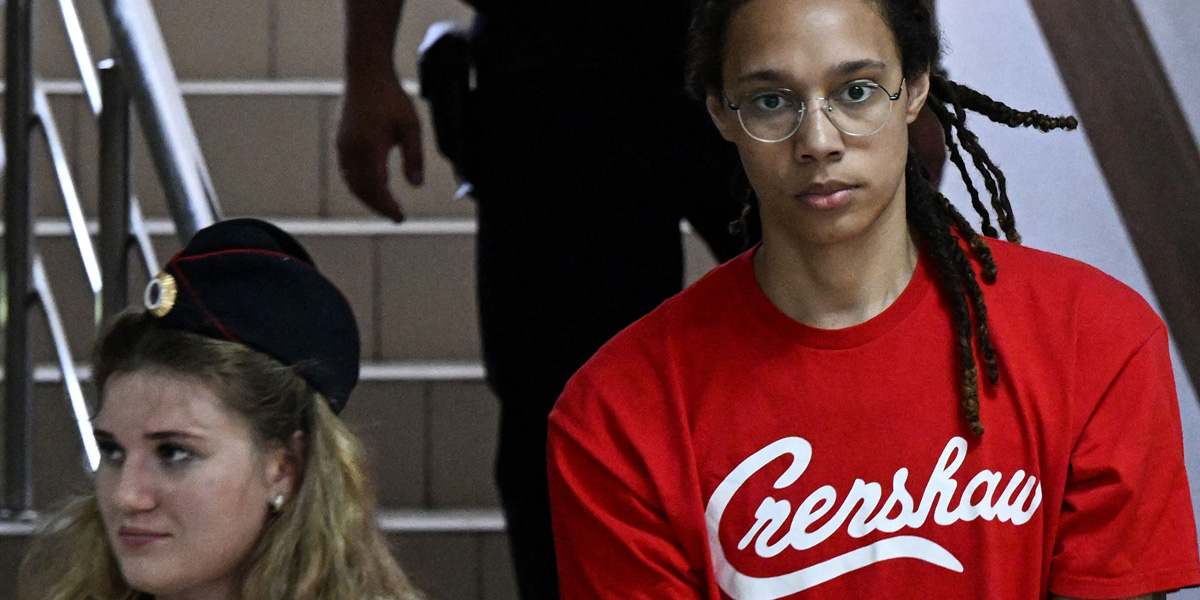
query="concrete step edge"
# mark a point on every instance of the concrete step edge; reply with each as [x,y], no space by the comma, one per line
[314,86]
[400,370]
[316,226]
[416,520]
[161,226]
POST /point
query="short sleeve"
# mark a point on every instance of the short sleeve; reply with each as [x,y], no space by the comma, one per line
[611,533]
[1127,526]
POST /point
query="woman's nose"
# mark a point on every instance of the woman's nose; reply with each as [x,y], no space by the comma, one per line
[817,139]
[136,487]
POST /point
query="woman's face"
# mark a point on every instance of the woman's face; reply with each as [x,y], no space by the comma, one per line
[821,186]
[183,487]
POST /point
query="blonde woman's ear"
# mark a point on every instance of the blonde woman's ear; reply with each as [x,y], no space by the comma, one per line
[285,463]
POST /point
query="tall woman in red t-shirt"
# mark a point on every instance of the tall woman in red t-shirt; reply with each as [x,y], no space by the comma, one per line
[669,451]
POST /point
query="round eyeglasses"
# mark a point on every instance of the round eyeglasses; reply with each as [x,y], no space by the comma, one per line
[858,108]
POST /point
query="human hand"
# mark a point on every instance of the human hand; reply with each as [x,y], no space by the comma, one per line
[377,115]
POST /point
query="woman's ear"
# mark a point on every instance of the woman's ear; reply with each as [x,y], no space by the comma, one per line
[721,116]
[284,464]
[918,91]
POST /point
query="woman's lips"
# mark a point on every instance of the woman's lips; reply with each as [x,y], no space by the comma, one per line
[826,200]
[134,539]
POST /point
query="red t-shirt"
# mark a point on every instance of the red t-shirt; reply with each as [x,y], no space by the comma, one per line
[718,449]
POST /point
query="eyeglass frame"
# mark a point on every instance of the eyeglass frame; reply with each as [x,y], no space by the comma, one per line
[892,98]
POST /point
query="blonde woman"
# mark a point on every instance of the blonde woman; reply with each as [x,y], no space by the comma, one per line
[225,472]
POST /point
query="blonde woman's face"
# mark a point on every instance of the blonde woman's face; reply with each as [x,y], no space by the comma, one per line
[183,488]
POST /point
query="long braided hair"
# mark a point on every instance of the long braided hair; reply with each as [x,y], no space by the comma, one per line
[941,230]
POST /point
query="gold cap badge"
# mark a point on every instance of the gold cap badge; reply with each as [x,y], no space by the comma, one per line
[160,294]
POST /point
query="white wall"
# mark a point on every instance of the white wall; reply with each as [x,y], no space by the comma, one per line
[1059,196]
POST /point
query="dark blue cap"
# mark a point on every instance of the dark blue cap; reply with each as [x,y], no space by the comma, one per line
[248,281]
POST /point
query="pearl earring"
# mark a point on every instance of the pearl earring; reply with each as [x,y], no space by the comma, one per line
[277,503]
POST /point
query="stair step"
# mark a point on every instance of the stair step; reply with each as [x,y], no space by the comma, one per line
[427,520]
[449,554]
[429,441]
[268,145]
[239,38]
[418,371]
[412,285]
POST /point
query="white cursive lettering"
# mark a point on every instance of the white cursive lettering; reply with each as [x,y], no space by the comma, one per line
[861,513]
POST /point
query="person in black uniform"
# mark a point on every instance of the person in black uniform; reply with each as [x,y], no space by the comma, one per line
[584,153]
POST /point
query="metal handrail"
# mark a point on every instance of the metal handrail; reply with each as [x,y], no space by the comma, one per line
[175,150]
[58,336]
[142,71]
[19,292]
[83,56]
[66,185]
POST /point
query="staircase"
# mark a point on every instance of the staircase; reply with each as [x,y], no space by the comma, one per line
[262,80]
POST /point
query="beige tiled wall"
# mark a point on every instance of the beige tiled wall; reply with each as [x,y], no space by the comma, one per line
[218,39]
[463,421]
[309,38]
[46,196]
[413,295]
[12,549]
[309,34]
[268,155]
[240,39]
[262,151]
[456,566]
[390,418]
[62,470]
[428,445]
[427,298]
[443,565]
[69,285]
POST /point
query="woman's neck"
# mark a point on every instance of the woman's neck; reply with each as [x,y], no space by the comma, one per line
[834,286]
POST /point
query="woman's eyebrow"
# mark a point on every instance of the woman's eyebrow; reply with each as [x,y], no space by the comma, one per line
[857,66]
[172,434]
[768,75]
[840,70]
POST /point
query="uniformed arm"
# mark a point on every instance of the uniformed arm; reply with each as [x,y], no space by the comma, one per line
[377,115]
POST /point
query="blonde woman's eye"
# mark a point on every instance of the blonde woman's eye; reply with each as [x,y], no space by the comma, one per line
[172,454]
[110,453]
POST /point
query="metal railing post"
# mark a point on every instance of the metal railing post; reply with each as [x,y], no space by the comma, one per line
[18,222]
[170,138]
[115,196]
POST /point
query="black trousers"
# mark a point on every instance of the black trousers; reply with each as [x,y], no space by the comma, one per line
[580,184]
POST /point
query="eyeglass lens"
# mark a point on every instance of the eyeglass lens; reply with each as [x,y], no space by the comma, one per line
[858,108]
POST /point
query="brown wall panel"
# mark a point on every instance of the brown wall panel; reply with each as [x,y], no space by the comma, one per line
[1144,146]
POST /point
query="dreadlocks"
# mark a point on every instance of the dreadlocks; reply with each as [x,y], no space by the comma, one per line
[941,230]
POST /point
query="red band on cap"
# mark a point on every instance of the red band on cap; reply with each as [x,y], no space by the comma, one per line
[200,303]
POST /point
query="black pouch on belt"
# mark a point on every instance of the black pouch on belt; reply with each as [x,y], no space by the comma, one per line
[444,67]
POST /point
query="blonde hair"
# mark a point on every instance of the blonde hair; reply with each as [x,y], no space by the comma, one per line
[324,543]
